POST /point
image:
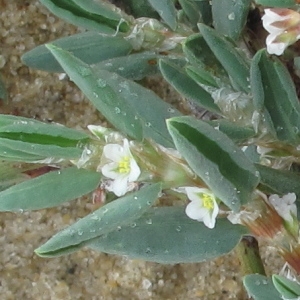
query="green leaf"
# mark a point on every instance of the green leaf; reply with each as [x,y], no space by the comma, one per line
[277,3]
[75,14]
[111,14]
[230,58]
[9,148]
[230,16]
[279,181]
[186,86]
[33,131]
[134,110]
[287,288]
[49,190]
[167,235]
[91,47]
[105,219]
[204,6]
[25,139]
[141,8]
[201,76]
[135,66]
[204,64]
[213,157]
[275,97]
[191,10]
[100,92]
[236,133]
[260,288]
[166,10]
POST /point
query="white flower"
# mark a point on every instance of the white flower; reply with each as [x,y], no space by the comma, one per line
[283,26]
[285,206]
[203,206]
[122,168]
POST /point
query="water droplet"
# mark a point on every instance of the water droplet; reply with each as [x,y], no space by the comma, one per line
[149,203]
[171,110]
[95,95]
[135,197]
[119,228]
[108,64]
[149,221]
[148,250]
[231,16]
[101,83]
[121,68]
[80,232]
[95,217]
[178,228]
[117,110]
[92,230]
[148,124]
[59,172]
[21,210]
[133,225]
[84,71]
[105,210]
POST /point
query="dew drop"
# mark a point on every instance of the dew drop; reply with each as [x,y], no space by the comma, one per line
[119,228]
[149,221]
[178,228]
[135,197]
[133,225]
[231,16]
[148,250]
[117,110]
[101,83]
[95,95]
[148,124]
[149,203]
[92,230]
[80,232]
[171,110]
[105,210]
[83,71]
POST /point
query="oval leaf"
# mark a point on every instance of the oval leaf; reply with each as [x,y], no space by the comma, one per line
[231,59]
[230,16]
[91,47]
[105,219]
[167,235]
[178,78]
[49,190]
[275,97]
[71,12]
[131,108]
[260,287]
[166,10]
[215,159]
[100,92]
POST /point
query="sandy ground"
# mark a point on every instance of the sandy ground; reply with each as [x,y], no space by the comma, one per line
[85,274]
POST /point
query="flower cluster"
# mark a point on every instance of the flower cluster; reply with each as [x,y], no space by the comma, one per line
[283,26]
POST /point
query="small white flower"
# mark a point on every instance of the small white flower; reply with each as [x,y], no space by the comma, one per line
[283,26]
[285,206]
[122,168]
[203,206]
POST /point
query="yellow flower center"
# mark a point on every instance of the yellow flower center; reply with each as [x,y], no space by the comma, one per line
[208,201]
[124,165]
